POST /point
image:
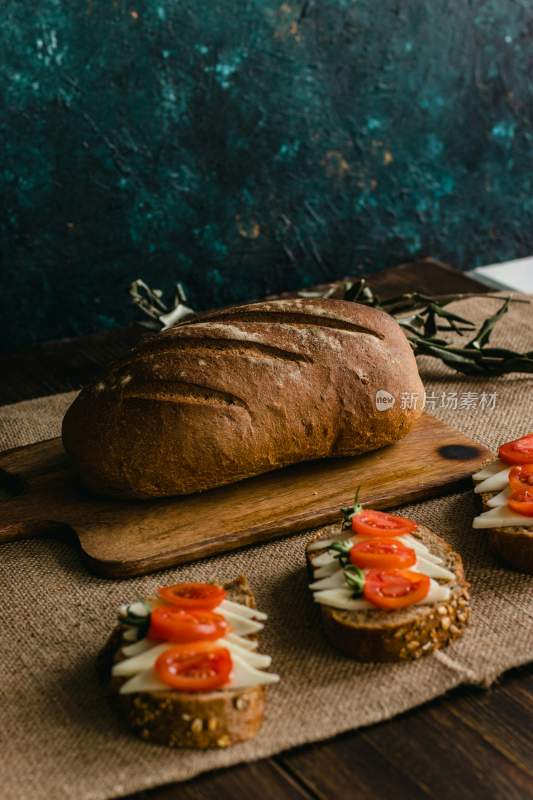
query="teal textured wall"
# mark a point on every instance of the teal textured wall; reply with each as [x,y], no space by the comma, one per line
[247,147]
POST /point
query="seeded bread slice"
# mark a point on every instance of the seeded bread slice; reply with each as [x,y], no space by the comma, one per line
[513,545]
[405,634]
[198,720]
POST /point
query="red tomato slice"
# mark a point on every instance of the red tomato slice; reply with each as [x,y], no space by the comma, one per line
[378,523]
[197,667]
[521,478]
[382,554]
[172,624]
[193,595]
[395,588]
[522,502]
[518,452]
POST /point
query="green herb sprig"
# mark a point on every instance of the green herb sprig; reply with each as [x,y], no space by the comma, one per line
[355,579]
[350,511]
[342,550]
[423,317]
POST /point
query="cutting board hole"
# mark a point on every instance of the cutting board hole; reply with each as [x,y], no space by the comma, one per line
[458,452]
[10,486]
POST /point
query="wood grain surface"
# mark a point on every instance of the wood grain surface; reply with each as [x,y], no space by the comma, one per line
[130,538]
[469,745]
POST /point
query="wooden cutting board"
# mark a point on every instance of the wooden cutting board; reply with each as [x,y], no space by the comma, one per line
[131,538]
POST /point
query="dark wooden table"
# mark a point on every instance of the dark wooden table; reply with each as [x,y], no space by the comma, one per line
[469,744]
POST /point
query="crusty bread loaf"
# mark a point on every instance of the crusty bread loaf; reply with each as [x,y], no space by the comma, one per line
[199,720]
[513,545]
[242,391]
[405,634]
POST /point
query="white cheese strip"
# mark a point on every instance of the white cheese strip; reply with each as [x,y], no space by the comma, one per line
[146,681]
[327,569]
[321,543]
[254,659]
[248,644]
[433,570]
[490,469]
[324,559]
[242,626]
[241,610]
[138,609]
[139,647]
[130,634]
[495,483]
[343,599]
[502,517]
[421,549]
[243,675]
[500,499]
[140,662]
[335,581]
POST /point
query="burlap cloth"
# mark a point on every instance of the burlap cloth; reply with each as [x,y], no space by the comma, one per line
[59,737]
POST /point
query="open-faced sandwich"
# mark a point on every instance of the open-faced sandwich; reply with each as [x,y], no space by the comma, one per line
[506,490]
[185,668]
[389,589]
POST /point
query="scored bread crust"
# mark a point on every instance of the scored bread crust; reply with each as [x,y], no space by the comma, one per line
[404,634]
[198,720]
[513,545]
[242,391]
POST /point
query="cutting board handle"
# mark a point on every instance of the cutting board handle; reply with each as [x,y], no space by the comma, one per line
[21,509]
[26,530]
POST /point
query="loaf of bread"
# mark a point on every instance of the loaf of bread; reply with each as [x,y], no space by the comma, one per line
[242,391]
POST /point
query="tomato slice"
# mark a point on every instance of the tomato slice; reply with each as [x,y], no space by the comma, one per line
[395,588]
[193,595]
[520,451]
[172,624]
[196,667]
[382,554]
[522,502]
[521,478]
[378,523]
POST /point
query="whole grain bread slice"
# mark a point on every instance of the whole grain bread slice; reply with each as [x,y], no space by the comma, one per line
[405,634]
[514,545]
[198,720]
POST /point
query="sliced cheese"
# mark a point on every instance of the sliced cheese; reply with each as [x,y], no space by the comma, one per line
[253,659]
[241,610]
[500,499]
[494,483]
[138,647]
[242,676]
[424,565]
[432,569]
[334,581]
[146,681]
[242,625]
[321,543]
[488,470]
[248,644]
[343,598]
[502,517]
[327,569]
[140,662]
[146,659]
